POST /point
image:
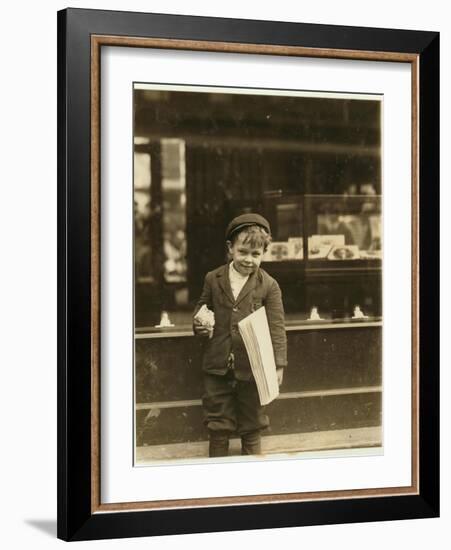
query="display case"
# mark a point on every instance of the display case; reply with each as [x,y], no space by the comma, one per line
[327,255]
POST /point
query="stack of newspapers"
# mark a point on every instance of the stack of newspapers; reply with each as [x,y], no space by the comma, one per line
[254,330]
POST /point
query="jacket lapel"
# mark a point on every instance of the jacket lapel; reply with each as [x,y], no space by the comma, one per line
[250,285]
[224,282]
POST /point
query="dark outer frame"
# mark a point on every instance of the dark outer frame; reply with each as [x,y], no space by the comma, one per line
[80,515]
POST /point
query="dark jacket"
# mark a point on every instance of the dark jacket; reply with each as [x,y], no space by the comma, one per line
[260,290]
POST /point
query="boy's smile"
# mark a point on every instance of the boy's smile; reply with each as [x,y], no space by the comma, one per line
[246,259]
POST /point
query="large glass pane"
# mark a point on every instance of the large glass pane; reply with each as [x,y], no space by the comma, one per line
[310,164]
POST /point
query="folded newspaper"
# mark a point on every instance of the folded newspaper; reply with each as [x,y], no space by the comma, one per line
[254,330]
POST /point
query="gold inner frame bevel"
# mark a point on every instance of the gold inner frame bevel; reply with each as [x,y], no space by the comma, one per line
[97,41]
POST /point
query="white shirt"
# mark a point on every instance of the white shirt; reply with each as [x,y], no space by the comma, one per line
[237,281]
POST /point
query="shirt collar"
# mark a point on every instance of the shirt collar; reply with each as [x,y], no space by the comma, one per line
[233,272]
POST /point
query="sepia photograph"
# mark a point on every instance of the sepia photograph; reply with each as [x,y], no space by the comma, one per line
[257,262]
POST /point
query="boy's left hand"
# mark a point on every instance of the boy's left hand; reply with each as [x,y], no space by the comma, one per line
[279,371]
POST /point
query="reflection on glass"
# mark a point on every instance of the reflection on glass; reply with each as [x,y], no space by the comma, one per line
[166,206]
[174,214]
[142,174]
[345,227]
[287,234]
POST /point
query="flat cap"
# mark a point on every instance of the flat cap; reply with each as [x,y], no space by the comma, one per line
[244,220]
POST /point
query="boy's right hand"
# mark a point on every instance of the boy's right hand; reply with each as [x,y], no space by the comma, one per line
[199,328]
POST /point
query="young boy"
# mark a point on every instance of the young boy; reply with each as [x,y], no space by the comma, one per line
[232,292]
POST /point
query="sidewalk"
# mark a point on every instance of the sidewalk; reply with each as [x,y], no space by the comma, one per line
[312,441]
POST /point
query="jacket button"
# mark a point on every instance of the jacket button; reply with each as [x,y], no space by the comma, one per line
[235,309]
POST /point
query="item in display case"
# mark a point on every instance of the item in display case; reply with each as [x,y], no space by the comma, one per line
[376,230]
[374,250]
[358,313]
[314,315]
[318,252]
[164,321]
[371,254]
[319,246]
[296,246]
[347,252]
[323,240]
[278,251]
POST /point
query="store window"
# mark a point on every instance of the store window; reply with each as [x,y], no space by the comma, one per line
[310,164]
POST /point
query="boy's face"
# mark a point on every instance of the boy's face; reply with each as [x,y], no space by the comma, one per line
[246,259]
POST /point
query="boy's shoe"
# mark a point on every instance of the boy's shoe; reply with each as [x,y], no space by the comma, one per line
[251,443]
[218,443]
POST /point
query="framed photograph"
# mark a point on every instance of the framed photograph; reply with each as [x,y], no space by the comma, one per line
[211,168]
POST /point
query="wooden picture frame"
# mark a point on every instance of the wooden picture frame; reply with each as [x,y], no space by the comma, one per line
[81,36]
